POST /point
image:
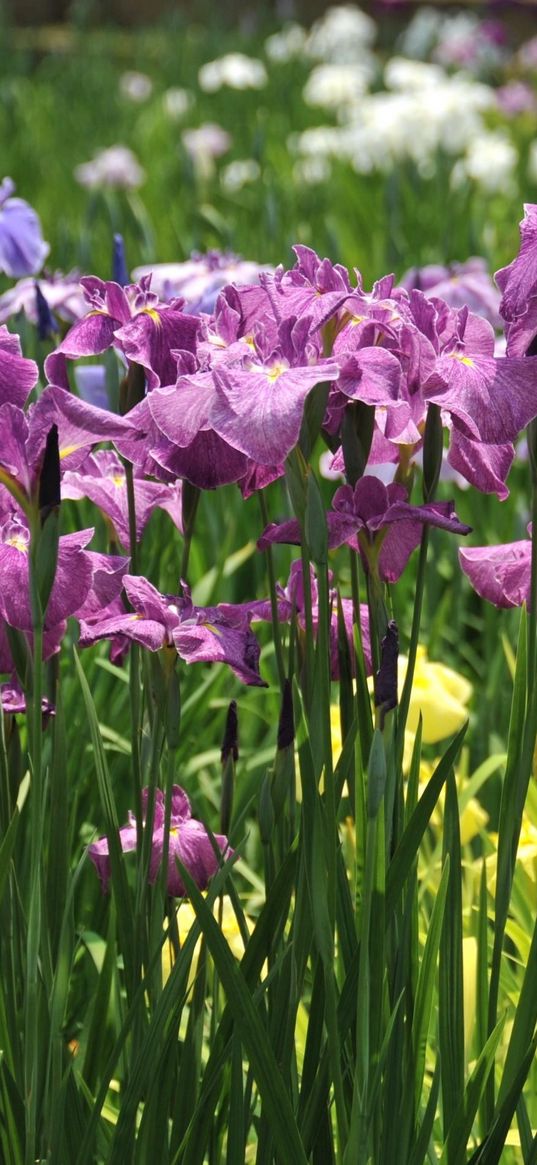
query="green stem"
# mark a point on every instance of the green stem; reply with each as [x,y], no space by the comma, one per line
[34,936]
[404,702]
[276,630]
[532,617]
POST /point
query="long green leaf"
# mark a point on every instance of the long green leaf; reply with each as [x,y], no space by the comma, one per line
[463,1120]
[253,1036]
[426,981]
[407,850]
[450,975]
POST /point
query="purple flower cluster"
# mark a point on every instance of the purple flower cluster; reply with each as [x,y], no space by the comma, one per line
[219,397]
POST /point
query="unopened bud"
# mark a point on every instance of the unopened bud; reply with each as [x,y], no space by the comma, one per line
[433,448]
[386,677]
[49,478]
[230,743]
[286,726]
[120,273]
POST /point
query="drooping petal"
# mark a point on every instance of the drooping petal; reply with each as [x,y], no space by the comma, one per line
[259,411]
[17,374]
[501,574]
[80,425]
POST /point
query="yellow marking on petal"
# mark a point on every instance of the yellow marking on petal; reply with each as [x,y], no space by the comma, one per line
[273,373]
[462,359]
[211,627]
[18,543]
[155,315]
[118,479]
[66,452]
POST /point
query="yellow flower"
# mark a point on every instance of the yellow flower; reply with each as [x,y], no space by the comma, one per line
[440,694]
[186,917]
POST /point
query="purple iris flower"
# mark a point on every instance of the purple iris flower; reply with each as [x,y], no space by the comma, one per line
[181,441]
[22,247]
[132,320]
[13,700]
[198,634]
[72,582]
[188,841]
[291,602]
[258,406]
[378,521]
[24,436]
[518,284]
[501,574]
[102,479]
[315,288]
[489,400]
[17,374]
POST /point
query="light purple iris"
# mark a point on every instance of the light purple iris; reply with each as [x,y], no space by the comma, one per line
[200,279]
[63,294]
[258,408]
[461,284]
[132,320]
[198,634]
[188,841]
[22,247]
[501,574]
[378,521]
[102,479]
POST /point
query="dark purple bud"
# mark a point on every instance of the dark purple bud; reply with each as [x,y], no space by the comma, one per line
[49,478]
[386,677]
[230,743]
[46,324]
[286,726]
[120,273]
[433,447]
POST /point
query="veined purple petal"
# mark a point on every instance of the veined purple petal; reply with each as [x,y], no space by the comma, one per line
[501,574]
[147,632]
[493,398]
[17,374]
[150,338]
[209,642]
[518,281]
[485,466]
[102,479]
[188,842]
[260,411]
[80,425]
[208,461]
[191,844]
[72,581]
